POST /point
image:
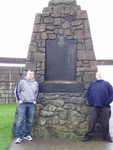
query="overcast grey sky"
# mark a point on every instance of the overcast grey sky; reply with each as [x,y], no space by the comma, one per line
[17,19]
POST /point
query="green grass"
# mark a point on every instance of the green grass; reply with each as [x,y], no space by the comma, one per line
[7,113]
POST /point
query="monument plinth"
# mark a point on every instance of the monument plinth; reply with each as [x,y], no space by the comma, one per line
[61,53]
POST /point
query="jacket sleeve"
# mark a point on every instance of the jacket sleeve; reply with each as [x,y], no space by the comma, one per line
[88,93]
[88,96]
[17,90]
[37,92]
[110,93]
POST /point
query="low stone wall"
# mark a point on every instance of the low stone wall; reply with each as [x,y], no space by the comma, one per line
[8,79]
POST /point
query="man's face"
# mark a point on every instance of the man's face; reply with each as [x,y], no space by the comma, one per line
[99,76]
[30,75]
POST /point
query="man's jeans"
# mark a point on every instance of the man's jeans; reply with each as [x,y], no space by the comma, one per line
[25,115]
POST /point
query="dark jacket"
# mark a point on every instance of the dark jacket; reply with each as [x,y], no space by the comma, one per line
[100,93]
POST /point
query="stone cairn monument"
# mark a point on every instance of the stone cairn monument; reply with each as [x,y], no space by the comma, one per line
[61,53]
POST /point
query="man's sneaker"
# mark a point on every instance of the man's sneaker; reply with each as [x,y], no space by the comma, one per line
[29,138]
[18,140]
[86,138]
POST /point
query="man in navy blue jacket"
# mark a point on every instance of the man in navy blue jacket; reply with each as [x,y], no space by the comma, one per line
[99,96]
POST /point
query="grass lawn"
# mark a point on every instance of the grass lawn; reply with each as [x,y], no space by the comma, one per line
[7,113]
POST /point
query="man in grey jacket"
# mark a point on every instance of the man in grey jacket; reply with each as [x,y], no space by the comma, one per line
[26,92]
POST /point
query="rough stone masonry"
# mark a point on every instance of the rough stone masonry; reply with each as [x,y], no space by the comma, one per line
[62,56]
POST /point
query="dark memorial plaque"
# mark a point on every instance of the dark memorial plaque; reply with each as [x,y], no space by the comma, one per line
[60,60]
[61,87]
